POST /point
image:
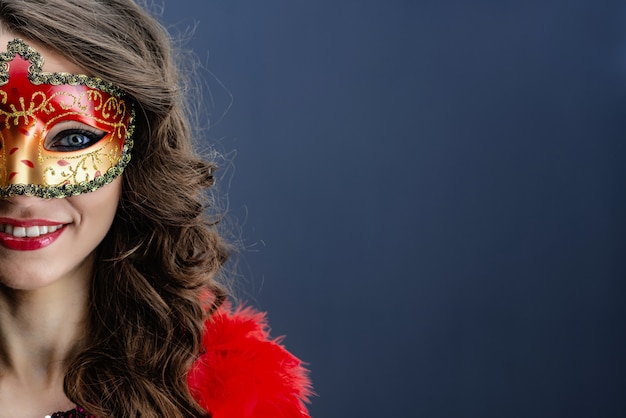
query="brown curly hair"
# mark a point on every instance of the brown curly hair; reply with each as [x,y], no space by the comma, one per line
[154,283]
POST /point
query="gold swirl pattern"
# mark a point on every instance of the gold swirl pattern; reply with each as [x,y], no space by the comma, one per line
[33,104]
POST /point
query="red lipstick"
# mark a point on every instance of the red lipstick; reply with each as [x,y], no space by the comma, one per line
[29,243]
[29,222]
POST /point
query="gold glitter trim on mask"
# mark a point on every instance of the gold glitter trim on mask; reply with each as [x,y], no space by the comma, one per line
[37,76]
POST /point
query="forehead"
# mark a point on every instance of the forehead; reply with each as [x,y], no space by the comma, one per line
[53,62]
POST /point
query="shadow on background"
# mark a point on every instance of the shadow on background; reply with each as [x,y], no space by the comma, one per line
[432,194]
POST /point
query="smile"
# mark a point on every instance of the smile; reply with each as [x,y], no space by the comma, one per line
[29,235]
[30,231]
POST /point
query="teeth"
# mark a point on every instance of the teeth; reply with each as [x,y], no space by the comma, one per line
[31,231]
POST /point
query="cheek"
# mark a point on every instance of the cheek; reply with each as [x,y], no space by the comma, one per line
[97,209]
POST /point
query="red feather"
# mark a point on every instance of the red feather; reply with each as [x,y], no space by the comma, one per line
[246,374]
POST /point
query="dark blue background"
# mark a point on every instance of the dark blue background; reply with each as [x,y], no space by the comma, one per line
[431,194]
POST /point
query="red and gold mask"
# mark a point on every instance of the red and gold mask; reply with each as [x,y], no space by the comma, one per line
[61,134]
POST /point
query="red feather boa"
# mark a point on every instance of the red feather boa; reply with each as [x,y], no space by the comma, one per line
[246,374]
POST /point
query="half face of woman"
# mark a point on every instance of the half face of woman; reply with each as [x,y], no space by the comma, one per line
[76,136]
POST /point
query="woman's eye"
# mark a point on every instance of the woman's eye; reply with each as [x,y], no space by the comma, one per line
[74,140]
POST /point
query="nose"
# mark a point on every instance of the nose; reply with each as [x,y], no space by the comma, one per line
[20,203]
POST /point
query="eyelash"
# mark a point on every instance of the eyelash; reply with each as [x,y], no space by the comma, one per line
[92,137]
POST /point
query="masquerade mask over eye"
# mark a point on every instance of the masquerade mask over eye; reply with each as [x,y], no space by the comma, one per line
[60,134]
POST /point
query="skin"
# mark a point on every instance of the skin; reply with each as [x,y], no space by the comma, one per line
[43,293]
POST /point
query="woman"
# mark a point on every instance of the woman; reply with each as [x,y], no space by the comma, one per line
[109,303]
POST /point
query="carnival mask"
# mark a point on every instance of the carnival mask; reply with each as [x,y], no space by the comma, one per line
[61,134]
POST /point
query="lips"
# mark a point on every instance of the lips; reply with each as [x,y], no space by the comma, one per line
[29,235]
[29,231]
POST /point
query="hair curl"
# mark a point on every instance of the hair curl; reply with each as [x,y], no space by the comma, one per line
[154,282]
